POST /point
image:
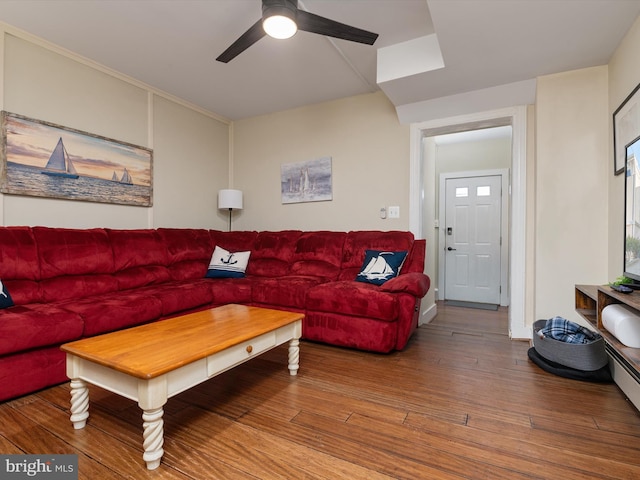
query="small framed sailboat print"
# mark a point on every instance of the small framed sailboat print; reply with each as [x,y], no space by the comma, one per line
[47,160]
[309,181]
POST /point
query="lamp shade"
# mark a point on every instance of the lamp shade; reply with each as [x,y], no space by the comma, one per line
[231,199]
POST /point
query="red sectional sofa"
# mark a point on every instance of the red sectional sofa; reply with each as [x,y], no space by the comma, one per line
[67,284]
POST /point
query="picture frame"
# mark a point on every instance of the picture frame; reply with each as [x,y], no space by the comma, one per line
[309,181]
[626,127]
[44,159]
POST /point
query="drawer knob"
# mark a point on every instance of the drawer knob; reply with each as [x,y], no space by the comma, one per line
[249,349]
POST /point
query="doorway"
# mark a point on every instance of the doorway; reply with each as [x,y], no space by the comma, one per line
[422,200]
[473,257]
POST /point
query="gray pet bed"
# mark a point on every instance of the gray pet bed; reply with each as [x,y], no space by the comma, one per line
[602,375]
[578,356]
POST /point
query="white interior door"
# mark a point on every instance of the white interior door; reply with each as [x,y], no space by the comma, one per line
[473,238]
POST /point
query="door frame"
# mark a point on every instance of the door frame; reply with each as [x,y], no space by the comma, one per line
[515,116]
[503,173]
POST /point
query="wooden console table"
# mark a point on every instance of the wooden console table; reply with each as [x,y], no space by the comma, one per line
[625,361]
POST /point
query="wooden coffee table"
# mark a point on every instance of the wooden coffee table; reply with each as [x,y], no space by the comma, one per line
[154,362]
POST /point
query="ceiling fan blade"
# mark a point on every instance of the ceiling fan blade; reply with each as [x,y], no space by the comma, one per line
[310,22]
[248,38]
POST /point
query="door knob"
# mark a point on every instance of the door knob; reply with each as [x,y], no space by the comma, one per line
[449,248]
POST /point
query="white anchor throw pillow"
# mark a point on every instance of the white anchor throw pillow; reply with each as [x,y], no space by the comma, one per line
[225,264]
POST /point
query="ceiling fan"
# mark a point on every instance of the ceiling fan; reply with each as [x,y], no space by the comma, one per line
[282,18]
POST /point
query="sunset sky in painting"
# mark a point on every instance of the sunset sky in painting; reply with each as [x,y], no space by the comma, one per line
[31,143]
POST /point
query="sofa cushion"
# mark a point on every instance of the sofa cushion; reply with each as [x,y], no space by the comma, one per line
[5,297]
[176,297]
[358,242]
[349,297]
[415,284]
[231,290]
[378,267]
[18,254]
[73,252]
[115,311]
[233,241]
[352,332]
[38,369]
[68,287]
[189,251]
[226,264]
[19,264]
[188,270]
[25,327]
[141,276]
[136,248]
[272,253]
[414,263]
[185,244]
[24,291]
[289,291]
[318,254]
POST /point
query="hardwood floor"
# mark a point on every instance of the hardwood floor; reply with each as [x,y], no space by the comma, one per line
[462,401]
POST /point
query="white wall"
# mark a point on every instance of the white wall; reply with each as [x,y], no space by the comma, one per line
[191,148]
[370,162]
[191,165]
[572,165]
[624,76]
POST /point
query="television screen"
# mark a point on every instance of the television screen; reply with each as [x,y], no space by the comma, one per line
[632,212]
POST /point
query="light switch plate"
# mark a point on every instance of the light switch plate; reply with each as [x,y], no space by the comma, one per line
[394,212]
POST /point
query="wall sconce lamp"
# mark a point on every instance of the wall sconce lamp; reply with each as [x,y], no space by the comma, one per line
[231,199]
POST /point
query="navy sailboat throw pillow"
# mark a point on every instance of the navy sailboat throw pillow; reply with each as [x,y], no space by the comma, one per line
[5,298]
[378,267]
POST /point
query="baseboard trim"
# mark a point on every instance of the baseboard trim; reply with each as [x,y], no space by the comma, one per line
[428,315]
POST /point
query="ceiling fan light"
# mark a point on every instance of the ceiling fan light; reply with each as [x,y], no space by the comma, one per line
[279,26]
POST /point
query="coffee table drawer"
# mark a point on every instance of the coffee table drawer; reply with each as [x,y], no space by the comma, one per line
[240,353]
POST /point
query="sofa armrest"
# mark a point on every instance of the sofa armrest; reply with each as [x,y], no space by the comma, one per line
[417,284]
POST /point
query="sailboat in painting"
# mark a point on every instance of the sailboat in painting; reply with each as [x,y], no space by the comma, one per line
[59,164]
[126,178]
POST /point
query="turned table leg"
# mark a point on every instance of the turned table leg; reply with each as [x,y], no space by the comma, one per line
[294,356]
[153,437]
[79,403]
[152,395]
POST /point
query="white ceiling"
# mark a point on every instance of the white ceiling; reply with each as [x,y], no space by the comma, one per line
[171,45]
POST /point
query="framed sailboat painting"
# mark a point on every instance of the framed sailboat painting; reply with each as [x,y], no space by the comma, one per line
[47,160]
[309,181]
